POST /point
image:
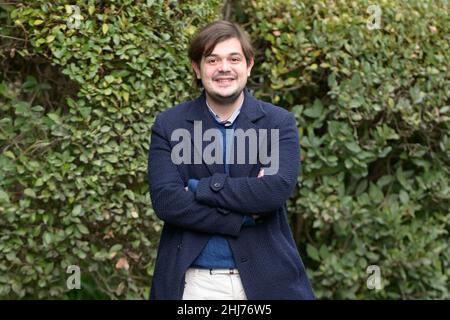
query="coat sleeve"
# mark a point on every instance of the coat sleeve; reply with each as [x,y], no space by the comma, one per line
[263,195]
[172,203]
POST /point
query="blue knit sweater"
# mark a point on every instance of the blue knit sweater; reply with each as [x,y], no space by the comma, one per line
[217,253]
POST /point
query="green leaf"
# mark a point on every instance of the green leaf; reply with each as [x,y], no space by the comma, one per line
[85,111]
[29,192]
[312,252]
[332,80]
[105,28]
[384,181]
[402,179]
[353,146]
[355,103]
[112,158]
[47,237]
[315,111]
[77,210]
[50,38]
[404,197]
[356,81]
[54,117]
[3,196]
[82,228]
[127,111]
[166,36]
[9,154]
[372,256]
[126,96]
[109,78]
[68,9]
[324,252]
[361,187]
[49,268]
[375,193]
[115,248]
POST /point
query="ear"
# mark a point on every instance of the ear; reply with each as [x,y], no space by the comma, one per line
[196,69]
[250,65]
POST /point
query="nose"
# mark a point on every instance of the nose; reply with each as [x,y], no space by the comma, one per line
[224,66]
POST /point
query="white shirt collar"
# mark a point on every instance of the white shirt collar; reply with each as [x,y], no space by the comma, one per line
[230,120]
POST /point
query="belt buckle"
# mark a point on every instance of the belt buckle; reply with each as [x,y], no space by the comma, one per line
[230,271]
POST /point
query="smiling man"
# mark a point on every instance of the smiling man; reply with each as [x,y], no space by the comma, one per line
[223,73]
[225,234]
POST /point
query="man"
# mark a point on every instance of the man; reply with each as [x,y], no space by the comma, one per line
[226,234]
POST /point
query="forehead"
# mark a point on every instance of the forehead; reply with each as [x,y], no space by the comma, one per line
[227,47]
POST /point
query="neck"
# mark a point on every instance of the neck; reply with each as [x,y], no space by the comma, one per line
[224,109]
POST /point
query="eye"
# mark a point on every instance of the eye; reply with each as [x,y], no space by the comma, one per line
[235,59]
[211,60]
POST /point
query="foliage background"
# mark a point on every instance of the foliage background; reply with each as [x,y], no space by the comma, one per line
[77,104]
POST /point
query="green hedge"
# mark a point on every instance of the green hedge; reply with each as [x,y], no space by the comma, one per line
[77,106]
[73,187]
[373,114]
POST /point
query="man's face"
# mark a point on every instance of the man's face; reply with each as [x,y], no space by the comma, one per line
[224,72]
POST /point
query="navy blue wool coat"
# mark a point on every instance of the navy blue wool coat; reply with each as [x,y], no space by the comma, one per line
[266,255]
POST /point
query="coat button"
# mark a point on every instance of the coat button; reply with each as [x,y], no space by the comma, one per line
[244,259]
[216,185]
[223,211]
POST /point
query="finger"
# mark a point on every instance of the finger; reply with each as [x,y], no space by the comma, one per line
[261,173]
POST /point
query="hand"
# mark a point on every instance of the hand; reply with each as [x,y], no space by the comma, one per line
[261,173]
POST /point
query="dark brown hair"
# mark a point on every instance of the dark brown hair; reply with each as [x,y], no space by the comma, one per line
[206,39]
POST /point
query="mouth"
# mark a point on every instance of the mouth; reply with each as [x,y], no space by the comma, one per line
[224,81]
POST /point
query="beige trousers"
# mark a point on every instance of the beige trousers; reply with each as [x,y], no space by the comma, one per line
[213,284]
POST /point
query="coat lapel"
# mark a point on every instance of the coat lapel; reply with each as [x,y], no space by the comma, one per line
[250,112]
[199,112]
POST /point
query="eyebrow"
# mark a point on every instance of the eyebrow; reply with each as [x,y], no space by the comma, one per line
[230,54]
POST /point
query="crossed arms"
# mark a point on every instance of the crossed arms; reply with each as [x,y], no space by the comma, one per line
[219,210]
